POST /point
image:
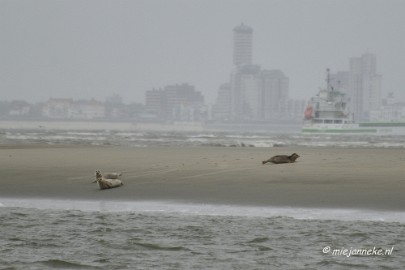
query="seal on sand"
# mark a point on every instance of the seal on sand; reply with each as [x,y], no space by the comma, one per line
[104,183]
[114,175]
[282,159]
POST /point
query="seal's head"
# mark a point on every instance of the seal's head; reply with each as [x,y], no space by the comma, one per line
[293,157]
[98,176]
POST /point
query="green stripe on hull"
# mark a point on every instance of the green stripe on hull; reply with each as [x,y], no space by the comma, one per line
[338,131]
[382,124]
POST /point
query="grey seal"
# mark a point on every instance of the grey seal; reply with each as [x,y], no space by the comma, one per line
[282,159]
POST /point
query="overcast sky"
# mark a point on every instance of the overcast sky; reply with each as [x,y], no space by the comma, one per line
[95,48]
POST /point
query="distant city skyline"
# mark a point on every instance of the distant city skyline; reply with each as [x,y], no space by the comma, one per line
[94,49]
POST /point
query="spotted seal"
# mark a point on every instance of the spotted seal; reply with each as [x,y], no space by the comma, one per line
[104,183]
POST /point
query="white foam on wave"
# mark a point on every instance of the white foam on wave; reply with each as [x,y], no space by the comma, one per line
[98,133]
[208,209]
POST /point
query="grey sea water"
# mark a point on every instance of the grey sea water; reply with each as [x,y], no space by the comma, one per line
[57,238]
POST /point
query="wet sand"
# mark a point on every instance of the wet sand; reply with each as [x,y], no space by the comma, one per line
[321,177]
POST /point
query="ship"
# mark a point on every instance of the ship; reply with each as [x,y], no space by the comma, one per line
[329,112]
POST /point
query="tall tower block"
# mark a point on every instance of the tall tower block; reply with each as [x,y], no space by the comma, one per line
[242,45]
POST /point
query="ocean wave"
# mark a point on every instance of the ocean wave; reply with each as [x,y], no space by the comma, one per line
[209,209]
[153,246]
[62,264]
[180,139]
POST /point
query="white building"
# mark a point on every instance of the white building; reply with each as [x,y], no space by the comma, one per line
[87,109]
[390,111]
[57,108]
[364,86]
[65,108]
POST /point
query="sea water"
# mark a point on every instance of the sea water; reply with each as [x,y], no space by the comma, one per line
[51,234]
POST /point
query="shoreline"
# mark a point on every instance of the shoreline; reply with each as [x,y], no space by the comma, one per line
[192,208]
[321,178]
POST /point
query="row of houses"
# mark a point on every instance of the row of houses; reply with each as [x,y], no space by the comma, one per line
[60,108]
[70,109]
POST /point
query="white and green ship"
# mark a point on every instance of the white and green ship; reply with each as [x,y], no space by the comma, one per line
[329,112]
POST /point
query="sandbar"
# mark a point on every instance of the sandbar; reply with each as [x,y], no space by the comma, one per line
[361,178]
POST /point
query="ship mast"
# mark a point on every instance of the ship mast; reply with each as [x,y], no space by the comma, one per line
[329,89]
[327,79]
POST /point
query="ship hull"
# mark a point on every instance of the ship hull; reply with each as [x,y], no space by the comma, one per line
[361,128]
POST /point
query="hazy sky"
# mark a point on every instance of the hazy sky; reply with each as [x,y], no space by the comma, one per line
[95,48]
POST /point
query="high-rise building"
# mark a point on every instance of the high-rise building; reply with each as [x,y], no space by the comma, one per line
[246,93]
[364,86]
[274,86]
[179,102]
[242,45]
[258,94]
[156,102]
[221,110]
[253,94]
[340,81]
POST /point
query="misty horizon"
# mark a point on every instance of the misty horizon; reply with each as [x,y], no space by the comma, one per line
[95,49]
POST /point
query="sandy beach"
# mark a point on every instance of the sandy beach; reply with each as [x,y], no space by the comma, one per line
[322,177]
